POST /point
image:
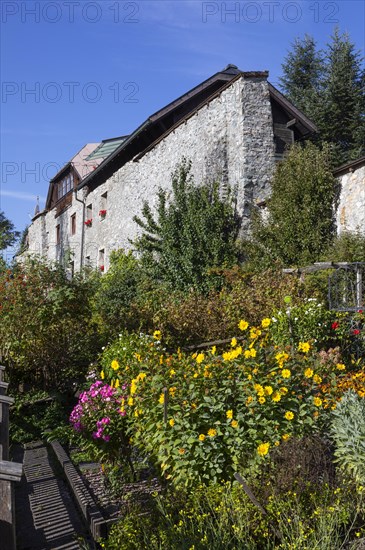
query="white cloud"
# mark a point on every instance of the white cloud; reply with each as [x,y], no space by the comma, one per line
[21,196]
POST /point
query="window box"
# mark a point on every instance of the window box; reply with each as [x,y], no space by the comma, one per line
[102,214]
[88,222]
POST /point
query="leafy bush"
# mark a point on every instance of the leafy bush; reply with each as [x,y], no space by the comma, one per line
[222,517]
[205,416]
[300,224]
[47,337]
[348,434]
[195,231]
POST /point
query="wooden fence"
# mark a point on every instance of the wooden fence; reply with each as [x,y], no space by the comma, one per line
[9,472]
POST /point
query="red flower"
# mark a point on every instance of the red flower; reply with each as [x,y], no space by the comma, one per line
[335,325]
[356,331]
[101,268]
[89,222]
[102,213]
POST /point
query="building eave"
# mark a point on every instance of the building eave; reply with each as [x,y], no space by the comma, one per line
[349,166]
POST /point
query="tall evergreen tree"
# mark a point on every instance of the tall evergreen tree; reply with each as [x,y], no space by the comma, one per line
[342,121]
[329,87]
[303,70]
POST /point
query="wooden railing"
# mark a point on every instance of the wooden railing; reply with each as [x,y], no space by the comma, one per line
[9,472]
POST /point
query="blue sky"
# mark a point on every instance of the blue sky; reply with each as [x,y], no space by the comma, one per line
[81,71]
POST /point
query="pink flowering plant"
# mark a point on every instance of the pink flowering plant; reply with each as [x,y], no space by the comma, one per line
[99,417]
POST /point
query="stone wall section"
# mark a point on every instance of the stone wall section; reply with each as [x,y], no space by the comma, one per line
[351,209]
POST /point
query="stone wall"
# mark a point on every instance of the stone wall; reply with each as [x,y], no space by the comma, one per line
[351,210]
[229,139]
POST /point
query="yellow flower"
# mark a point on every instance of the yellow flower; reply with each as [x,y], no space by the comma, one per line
[172,391]
[141,376]
[285,373]
[115,365]
[195,375]
[317,401]
[200,358]
[259,389]
[133,386]
[243,325]
[253,352]
[277,443]
[289,415]
[283,390]
[317,379]
[234,424]
[229,414]
[276,396]
[172,422]
[262,400]
[201,437]
[172,372]
[281,357]
[249,400]
[285,436]
[181,451]
[161,399]
[340,366]
[247,353]
[116,385]
[255,333]
[308,373]
[234,342]
[265,322]
[131,401]
[102,375]
[213,350]
[304,347]
[157,335]
[263,449]
[212,432]
[268,390]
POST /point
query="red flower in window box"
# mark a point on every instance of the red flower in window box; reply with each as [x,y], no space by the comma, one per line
[101,267]
[88,222]
[356,331]
[335,325]
[102,213]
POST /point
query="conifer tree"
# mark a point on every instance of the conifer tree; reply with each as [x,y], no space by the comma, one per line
[342,121]
[303,70]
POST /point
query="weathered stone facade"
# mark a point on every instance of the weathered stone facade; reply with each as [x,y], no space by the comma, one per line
[229,136]
[351,209]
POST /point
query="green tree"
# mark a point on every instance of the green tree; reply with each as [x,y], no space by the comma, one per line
[329,86]
[195,232]
[300,223]
[8,235]
[303,70]
[342,119]
[47,337]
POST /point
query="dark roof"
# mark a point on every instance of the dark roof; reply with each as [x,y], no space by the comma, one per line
[106,148]
[349,166]
[161,123]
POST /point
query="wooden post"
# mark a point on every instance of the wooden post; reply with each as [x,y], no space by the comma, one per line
[9,472]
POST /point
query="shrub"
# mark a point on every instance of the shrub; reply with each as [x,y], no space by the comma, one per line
[47,337]
[348,434]
[194,232]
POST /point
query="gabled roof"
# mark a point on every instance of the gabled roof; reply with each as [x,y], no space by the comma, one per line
[161,123]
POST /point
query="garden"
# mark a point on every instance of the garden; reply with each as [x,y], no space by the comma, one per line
[219,400]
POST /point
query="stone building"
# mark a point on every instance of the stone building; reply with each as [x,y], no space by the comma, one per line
[234,127]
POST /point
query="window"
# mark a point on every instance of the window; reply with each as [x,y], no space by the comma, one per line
[89,212]
[88,261]
[64,186]
[73,224]
[103,205]
[101,259]
[58,234]
[72,269]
